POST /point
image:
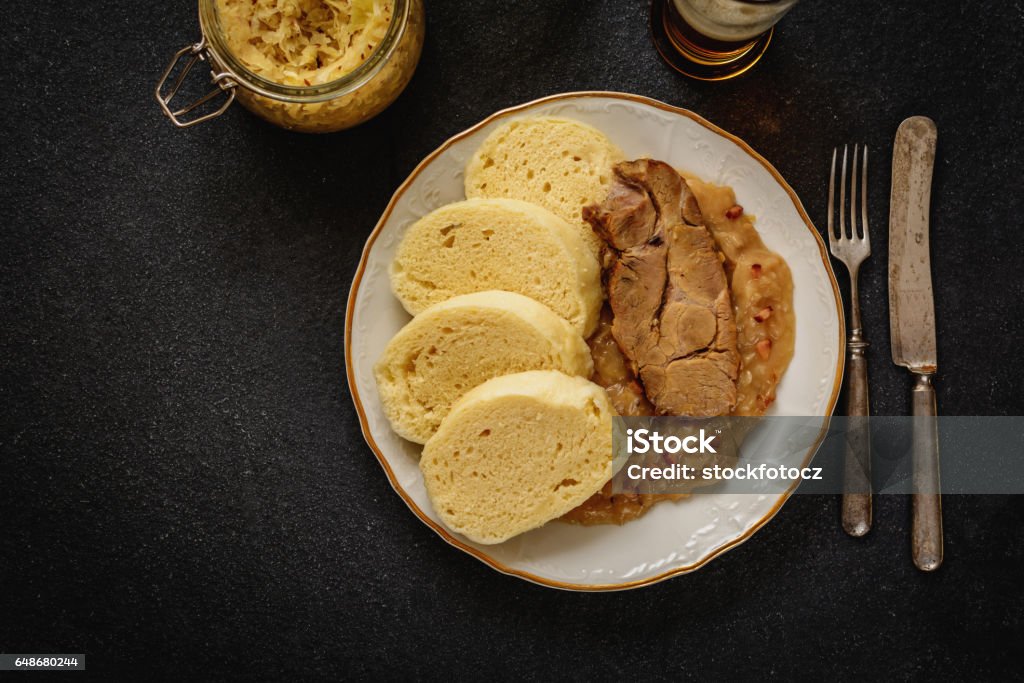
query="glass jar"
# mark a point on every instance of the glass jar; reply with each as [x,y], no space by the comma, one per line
[321,108]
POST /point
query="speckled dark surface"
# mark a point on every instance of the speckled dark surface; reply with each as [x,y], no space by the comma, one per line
[184,490]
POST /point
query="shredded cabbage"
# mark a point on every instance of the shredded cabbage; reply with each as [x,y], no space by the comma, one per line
[303,42]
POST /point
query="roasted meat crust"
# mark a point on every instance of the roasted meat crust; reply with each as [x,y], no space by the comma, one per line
[668,291]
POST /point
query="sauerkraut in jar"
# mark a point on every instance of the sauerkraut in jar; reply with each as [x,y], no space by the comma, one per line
[303,42]
[309,65]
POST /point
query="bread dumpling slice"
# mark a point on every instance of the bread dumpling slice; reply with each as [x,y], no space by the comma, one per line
[506,244]
[518,451]
[460,343]
[559,163]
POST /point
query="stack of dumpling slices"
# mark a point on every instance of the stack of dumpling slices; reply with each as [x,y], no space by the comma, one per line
[491,372]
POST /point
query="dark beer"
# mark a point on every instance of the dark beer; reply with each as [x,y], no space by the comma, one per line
[714,39]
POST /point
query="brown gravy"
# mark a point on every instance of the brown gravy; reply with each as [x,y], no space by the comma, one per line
[762,296]
[762,291]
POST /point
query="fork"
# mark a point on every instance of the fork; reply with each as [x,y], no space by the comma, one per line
[852,249]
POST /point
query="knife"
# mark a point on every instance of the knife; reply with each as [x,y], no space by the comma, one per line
[912,323]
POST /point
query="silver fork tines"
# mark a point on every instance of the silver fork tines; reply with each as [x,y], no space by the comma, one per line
[857,244]
[852,247]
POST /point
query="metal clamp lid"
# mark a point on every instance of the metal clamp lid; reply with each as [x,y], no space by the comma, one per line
[223,81]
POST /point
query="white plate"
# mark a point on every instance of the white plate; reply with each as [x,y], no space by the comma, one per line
[672,538]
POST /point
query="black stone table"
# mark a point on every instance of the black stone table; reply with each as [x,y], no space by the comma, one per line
[184,491]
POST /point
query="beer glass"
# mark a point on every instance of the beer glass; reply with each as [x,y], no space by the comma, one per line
[712,40]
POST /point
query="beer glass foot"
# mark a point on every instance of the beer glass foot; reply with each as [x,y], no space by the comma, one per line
[690,60]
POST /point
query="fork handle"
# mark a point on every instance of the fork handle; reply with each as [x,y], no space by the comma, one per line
[857,465]
[926,524]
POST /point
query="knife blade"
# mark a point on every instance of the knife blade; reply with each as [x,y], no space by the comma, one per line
[911,306]
[912,323]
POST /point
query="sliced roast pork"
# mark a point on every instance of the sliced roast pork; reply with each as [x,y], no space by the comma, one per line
[668,291]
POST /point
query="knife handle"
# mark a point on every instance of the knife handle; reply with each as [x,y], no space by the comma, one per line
[857,464]
[926,525]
